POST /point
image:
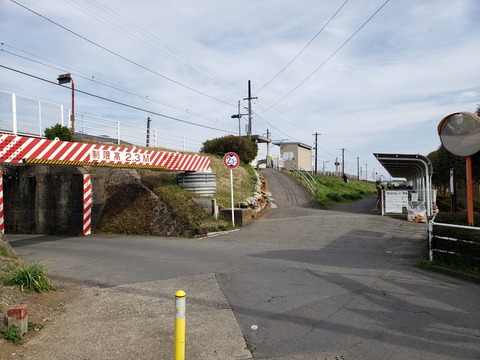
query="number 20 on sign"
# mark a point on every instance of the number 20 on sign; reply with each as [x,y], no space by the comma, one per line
[231,161]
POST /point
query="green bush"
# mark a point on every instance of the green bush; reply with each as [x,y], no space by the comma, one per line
[246,149]
[60,132]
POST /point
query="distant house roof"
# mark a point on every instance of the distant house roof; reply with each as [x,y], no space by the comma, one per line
[299,144]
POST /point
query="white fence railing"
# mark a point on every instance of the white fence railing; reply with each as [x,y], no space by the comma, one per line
[431,237]
[23,115]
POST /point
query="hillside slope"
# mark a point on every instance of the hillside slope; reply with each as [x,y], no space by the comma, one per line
[148,202]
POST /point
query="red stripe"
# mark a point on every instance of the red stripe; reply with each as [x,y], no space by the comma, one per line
[55,150]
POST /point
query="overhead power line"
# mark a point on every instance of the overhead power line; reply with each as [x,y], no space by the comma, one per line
[140,36]
[301,51]
[117,102]
[87,77]
[329,57]
[121,56]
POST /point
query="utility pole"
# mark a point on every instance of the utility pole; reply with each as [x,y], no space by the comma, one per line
[268,151]
[358,168]
[148,131]
[238,116]
[250,98]
[324,166]
[343,162]
[316,150]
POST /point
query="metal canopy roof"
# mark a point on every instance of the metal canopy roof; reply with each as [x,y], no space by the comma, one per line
[406,166]
[417,169]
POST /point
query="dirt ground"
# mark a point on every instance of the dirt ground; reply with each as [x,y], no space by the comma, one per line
[43,309]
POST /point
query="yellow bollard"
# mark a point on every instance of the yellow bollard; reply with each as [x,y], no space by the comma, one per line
[179,332]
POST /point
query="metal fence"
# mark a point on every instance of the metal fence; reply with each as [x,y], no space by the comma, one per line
[24,115]
[432,237]
[306,178]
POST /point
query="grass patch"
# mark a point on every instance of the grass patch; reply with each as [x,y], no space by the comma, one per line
[332,190]
[154,179]
[451,263]
[12,334]
[181,202]
[31,277]
[244,180]
[34,326]
[7,251]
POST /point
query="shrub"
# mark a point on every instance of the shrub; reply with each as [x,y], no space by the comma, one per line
[334,197]
[246,150]
[60,132]
[30,277]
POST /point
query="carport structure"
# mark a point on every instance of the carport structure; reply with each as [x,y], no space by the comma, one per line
[416,169]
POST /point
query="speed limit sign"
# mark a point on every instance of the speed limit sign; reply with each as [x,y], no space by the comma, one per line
[231,160]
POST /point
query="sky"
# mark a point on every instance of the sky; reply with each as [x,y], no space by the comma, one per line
[369,76]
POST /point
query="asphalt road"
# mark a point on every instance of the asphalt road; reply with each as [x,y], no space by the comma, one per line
[302,283]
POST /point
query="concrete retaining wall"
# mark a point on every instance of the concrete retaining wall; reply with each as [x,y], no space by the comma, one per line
[43,200]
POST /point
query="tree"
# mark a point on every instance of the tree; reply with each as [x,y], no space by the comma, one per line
[246,150]
[443,160]
[60,132]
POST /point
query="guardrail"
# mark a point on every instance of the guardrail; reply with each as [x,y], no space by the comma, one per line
[432,237]
[308,180]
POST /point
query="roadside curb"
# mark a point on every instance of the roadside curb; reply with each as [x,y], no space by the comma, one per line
[457,274]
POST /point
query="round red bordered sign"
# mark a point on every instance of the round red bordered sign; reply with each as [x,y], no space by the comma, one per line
[231,160]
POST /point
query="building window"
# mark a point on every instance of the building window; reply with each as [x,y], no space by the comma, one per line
[289,155]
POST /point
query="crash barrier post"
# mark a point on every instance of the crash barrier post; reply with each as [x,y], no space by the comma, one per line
[87,204]
[179,331]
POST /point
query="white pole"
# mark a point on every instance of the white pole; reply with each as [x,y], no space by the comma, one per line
[39,118]
[231,192]
[118,133]
[430,230]
[14,113]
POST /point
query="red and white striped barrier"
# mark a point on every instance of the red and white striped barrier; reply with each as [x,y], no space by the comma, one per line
[87,204]
[22,149]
